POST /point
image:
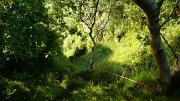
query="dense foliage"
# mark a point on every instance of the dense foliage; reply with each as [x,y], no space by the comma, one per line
[46,50]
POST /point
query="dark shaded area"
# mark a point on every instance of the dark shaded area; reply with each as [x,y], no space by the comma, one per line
[80,78]
[119,36]
[30,70]
[175,44]
[78,53]
[27,49]
[175,81]
[101,52]
[96,76]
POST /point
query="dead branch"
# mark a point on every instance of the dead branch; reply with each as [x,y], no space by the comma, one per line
[139,84]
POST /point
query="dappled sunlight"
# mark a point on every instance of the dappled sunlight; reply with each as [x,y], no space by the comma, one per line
[128,45]
[80,50]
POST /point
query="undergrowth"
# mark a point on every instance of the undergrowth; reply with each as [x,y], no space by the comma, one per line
[65,80]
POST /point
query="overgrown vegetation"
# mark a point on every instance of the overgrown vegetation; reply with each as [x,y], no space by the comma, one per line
[46,51]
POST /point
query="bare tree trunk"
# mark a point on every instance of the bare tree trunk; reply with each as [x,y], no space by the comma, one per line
[152,11]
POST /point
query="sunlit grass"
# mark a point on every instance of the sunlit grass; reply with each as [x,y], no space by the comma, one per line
[129,58]
[125,49]
[74,81]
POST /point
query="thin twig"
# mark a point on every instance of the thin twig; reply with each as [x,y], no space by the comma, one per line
[85,23]
[105,22]
[169,46]
[94,15]
[175,56]
[170,15]
[139,84]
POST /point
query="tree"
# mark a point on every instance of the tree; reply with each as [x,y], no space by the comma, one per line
[26,34]
[89,14]
[152,11]
[88,17]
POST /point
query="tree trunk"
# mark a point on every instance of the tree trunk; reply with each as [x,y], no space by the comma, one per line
[176,75]
[93,49]
[152,11]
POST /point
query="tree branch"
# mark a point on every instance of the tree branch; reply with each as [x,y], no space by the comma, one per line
[174,53]
[105,22]
[175,56]
[146,5]
[94,15]
[85,23]
[170,14]
[92,23]
[139,84]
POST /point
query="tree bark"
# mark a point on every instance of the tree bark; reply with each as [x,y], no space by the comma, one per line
[152,11]
[93,49]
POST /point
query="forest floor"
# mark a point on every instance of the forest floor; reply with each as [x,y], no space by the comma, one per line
[124,70]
